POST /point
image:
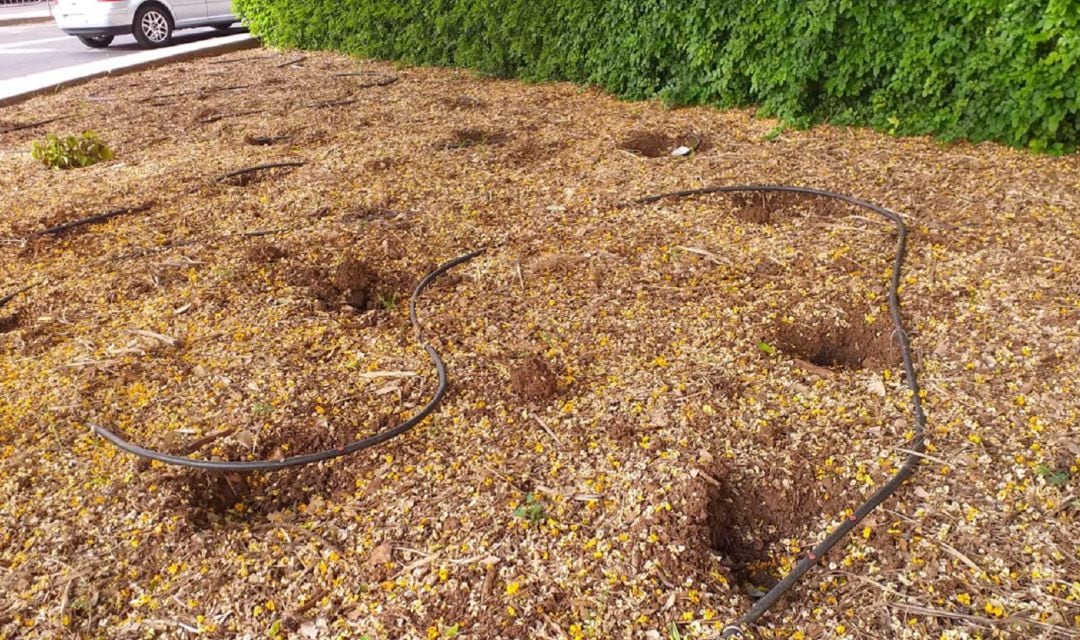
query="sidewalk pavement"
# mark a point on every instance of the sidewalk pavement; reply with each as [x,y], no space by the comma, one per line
[19,89]
[25,14]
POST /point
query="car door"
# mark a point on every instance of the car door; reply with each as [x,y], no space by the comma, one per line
[219,11]
[186,12]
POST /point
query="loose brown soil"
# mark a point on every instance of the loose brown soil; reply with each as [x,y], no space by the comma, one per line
[650,144]
[465,138]
[533,380]
[841,339]
[748,516]
[264,252]
[355,281]
[9,323]
[774,208]
[462,103]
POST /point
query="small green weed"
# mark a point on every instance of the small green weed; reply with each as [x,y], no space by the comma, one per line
[533,510]
[775,132]
[72,152]
[388,302]
[1054,477]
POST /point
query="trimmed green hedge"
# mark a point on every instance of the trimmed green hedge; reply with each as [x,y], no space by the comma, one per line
[1003,70]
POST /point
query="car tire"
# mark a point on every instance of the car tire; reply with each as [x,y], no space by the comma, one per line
[153,25]
[96,42]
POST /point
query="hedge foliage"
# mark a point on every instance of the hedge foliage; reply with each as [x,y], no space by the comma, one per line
[1003,70]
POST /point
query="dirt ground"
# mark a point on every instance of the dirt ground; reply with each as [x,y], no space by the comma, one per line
[655,410]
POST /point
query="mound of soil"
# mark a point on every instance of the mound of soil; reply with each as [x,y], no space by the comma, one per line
[533,380]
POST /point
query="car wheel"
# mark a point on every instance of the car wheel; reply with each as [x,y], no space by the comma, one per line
[153,26]
[96,42]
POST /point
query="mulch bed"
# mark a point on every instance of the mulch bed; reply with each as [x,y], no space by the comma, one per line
[654,409]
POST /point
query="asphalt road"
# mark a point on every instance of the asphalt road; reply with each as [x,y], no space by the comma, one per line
[30,48]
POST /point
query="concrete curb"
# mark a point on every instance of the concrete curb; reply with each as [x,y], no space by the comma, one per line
[21,89]
[11,18]
[14,22]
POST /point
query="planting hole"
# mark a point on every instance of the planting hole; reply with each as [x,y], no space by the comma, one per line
[353,283]
[265,253]
[774,208]
[845,341]
[463,103]
[465,138]
[9,323]
[747,517]
[658,145]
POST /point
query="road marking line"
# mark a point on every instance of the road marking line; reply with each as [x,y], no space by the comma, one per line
[15,45]
[24,52]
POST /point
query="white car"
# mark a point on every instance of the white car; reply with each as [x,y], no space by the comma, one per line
[152,22]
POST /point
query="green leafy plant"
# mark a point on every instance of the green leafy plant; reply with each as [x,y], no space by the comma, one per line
[1054,477]
[72,152]
[388,302]
[990,70]
[775,132]
[533,510]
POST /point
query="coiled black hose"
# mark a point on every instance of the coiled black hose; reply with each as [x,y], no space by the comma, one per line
[327,454]
[918,442]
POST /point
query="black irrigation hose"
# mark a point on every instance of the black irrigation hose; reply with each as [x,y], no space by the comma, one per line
[94,219]
[907,469]
[14,294]
[918,443]
[243,173]
[327,454]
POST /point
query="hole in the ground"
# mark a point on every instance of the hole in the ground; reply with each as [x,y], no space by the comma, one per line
[777,207]
[465,138]
[383,164]
[531,150]
[216,491]
[651,144]
[204,497]
[353,283]
[462,103]
[840,340]
[9,323]
[748,516]
[265,253]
